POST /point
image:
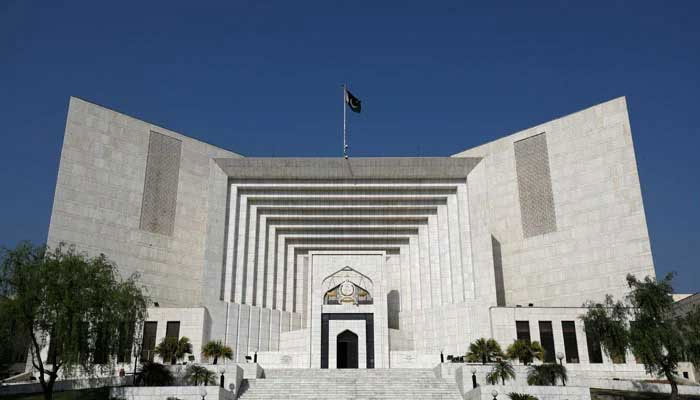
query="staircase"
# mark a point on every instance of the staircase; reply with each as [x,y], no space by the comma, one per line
[347,384]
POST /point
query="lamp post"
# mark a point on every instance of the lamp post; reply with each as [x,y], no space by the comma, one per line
[494,393]
[203,392]
[222,371]
[474,377]
[560,356]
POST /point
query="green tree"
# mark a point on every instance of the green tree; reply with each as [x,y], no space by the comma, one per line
[502,370]
[154,374]
[196,374]
[606,323]
[215,349]
[525,351]
[171,349]
[6,342]
[484,350]
[77,303]
[646,325]
[546,374]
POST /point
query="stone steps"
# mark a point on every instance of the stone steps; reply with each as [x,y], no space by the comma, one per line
[384,384]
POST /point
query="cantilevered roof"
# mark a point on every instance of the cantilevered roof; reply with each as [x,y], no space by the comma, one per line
[352,168]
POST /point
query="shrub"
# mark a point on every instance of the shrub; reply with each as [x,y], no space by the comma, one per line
[521,396]
[154,374]
[546,374]
[215,349]
[484,350]
[196,374]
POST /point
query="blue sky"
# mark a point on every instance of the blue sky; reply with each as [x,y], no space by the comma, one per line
[435,78]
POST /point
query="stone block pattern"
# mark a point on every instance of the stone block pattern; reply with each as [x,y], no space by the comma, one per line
[601,233]
[424,226]
[160,187]
[535,186]
[98,203]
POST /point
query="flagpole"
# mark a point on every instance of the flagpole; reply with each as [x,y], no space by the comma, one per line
[345,143]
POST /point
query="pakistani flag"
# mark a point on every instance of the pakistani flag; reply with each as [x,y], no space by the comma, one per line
[352,101]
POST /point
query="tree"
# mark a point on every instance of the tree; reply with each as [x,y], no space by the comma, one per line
[690,326]
[606,323]
[646,325]
[77,303]
[484,350]
[215,349]
[154,374]
[525,351]
[503,370]
[171,349]
[196,374]
[546,374]
[6,342]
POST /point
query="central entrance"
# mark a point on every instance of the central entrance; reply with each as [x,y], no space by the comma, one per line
[347,350]
[354,347]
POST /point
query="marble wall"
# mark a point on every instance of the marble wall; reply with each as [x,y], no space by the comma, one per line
[601,231]
[98,202]
[245,231]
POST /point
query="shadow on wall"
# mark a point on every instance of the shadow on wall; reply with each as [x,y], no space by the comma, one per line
[498,272]
[393,302]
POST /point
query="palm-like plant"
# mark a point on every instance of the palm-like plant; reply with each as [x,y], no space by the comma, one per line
[154,374]
[172,349]
[484,350]
[196,374]
[521,396]
[215,349]
[503,370]
[525,351]
[546,374]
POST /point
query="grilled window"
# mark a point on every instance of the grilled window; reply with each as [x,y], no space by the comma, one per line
[522,330]
[570,344]
[595,355]
[172,329]
[547,340]
[149,340]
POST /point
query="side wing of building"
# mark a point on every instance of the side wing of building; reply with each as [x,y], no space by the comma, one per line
[145,196]
[565,209]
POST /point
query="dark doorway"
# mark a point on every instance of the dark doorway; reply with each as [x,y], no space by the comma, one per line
[347,350]
[369,333]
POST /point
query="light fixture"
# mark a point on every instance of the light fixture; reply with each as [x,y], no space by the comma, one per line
[222,371]
[560,356]
[474,385]
[494,393]
[203,392]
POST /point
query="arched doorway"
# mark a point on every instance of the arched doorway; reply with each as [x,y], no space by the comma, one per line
[347,350]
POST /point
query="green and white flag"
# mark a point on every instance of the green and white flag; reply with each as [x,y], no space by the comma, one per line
[353,102]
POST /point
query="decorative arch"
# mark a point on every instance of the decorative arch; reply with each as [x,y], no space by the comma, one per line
[347,286]
[348,293]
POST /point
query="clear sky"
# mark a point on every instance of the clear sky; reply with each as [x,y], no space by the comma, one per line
[263,79]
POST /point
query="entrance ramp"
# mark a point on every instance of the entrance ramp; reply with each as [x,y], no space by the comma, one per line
[347,384]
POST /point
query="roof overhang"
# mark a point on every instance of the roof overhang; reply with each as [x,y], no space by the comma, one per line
[351,169]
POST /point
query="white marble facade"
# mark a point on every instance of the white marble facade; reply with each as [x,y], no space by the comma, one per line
[448,247]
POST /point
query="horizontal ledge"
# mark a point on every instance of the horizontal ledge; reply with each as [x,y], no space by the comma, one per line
[351,169]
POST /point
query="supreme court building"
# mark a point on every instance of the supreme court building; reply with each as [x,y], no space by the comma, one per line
[361,262]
